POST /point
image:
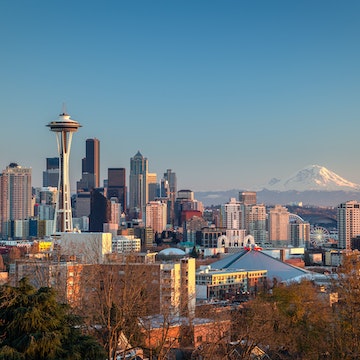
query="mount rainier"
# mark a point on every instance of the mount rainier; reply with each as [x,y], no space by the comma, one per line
[313,178]
[313,185]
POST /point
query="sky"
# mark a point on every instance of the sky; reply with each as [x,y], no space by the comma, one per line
[228,94]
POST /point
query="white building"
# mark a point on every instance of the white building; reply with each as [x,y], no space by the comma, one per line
[89,248]
[177,287]
[231,215]
[126,244]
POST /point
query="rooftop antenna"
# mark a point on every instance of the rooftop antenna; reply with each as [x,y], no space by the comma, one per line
[64,112]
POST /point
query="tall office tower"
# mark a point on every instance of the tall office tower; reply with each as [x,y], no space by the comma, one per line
[64,128]
[51,174]
[348,220]
[156,216]
[100,210]
[138,192]
[247,199]
[279,226]
[90,167]
[185,202]
[170,185]
[187,195]
[257,223]
[116,186]
[15,195]
[153,187]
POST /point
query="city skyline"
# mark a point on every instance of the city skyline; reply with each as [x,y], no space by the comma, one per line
[226,94]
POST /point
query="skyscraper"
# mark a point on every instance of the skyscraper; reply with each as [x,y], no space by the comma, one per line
[169,190]
[247,200]
[153,187]
[15,195]
[231,215]
[100,210]
[90,167]
[256,216]
[348,219]
[117,186]
[156,216]
[247,197]
[64,128]
[51,174]
[279,226]
[138,192]
[91,163]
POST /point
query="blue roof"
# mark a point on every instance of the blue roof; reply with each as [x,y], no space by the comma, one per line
[257,260]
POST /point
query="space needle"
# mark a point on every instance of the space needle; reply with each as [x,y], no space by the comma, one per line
[64,128]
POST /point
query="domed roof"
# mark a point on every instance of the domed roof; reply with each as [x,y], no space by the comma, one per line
[172,252]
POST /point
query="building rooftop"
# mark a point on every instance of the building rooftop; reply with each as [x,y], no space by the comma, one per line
[257,260]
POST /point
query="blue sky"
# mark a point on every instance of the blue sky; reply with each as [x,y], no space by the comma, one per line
[228,94]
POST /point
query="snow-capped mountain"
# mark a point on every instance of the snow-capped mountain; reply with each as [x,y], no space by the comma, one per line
[313,177]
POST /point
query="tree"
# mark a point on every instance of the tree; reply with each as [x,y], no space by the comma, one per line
[35,326]
[346,336]
[114,297]
[292,321]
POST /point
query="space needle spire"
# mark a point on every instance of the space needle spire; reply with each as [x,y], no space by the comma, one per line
[64,128]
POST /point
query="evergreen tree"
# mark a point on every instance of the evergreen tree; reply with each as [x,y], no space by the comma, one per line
[35,326]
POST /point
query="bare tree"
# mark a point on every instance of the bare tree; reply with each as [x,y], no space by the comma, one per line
[114,297]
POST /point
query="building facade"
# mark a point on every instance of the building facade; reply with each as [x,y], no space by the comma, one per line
[156,216]
[51,174]
[117,186]
[90,166]
[15,195]
[279,226]
[348,220]
[256,215]
[231,215]
[138,185]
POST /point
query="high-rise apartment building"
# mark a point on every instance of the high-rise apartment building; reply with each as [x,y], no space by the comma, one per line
[348,220]
[231,215]
[156,216]
[138,185]
[256,215]
[90,166]
[279,226]
[116,187]
[15,195]
[300,233]
[51,174]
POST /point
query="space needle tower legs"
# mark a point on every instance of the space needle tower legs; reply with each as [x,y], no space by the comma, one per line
[64,128]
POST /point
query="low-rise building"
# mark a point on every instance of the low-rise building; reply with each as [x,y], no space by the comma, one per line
[227,283]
